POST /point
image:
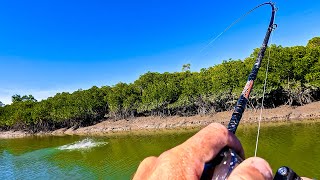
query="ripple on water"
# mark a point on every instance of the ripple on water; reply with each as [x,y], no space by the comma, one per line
[71,157]
[82,145]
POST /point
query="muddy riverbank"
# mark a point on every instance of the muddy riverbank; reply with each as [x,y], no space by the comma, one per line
[283,113]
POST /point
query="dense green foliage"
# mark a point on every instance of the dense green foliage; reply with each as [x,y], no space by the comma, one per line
[18,98]
[293,78]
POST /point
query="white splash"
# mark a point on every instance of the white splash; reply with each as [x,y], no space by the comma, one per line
[81,145]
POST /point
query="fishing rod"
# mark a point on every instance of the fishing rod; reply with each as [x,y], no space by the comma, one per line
[221,166]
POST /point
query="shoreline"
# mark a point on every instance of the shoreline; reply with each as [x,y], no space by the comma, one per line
[288,114]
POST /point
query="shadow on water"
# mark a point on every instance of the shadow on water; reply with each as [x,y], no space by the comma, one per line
[117,157]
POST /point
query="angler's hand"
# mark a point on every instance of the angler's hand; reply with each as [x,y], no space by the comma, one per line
[186,161]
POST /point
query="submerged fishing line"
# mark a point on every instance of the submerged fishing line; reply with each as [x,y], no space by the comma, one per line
[263,94]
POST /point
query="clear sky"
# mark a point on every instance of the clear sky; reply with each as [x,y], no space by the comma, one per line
[53,46]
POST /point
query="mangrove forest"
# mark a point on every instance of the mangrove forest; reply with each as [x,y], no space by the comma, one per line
[293,79]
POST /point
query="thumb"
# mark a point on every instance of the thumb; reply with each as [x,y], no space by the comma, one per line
[252,168]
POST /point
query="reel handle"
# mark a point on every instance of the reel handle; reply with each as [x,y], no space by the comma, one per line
[222,165]
[286,173]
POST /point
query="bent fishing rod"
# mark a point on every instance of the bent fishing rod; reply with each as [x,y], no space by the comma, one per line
[221,166]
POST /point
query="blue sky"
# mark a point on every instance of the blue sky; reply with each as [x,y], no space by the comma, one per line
[53,46]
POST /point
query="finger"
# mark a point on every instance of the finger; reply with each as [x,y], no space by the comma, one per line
[145,168]
[252,168]
[305,178]
[208,142]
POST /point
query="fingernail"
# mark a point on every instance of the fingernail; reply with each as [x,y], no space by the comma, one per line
[262,166]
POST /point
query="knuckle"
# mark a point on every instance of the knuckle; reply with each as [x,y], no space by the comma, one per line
[220,132]
[173,155]
[166,155]
[149,159]
[218,128]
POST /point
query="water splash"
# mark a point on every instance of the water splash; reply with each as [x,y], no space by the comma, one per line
[81,145]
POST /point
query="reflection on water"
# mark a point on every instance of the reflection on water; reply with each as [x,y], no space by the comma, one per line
[113,157]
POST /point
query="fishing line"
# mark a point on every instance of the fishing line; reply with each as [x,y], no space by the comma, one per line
[226,29]
[263,94]
[221,166]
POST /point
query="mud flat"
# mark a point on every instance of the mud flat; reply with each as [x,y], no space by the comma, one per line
[288,114]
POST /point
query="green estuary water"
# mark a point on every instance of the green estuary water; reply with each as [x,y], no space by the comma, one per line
[117,157]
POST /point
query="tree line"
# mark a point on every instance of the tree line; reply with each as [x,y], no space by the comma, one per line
[293,79]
